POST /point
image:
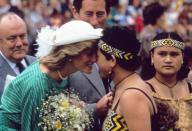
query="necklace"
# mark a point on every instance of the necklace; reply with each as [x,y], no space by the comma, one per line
[124,79]
[60,76]
[169,87]
[68,85]
[119,82]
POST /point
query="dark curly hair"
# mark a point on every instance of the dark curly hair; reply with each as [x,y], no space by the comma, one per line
[124,39]
[148,71]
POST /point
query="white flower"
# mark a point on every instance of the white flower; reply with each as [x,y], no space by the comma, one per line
[58,113]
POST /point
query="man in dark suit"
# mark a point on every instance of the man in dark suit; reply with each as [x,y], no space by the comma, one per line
[13,47]
[90,87]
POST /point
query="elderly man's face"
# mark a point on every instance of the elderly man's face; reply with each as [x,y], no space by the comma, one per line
[13,38]
[93,12]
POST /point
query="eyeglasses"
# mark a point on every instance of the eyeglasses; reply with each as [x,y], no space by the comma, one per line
[14,38]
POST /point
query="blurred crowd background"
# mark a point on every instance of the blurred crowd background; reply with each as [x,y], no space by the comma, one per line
[38,13]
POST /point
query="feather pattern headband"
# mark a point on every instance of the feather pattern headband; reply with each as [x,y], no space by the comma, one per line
[114,51]
[167,42]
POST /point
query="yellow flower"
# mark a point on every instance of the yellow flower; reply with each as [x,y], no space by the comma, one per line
[59,112]
[58,124]
[65,104]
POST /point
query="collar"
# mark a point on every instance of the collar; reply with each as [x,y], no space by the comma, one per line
[12,64]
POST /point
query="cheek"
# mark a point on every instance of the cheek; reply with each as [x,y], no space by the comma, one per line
[80,65]
[102,65]
[99,58]
[83,17]
[25,43]
[157,60]
[86,19]
[8,48]
[99,63]
[8,45]
[103,70]
[179,63]
[102,62]
[102,20]
[157,66]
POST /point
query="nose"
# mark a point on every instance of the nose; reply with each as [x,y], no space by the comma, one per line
[19,41]
[93,58]
[168,59]
[94,21]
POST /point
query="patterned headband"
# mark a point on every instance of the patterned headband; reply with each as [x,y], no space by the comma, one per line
[167,42]
[113,51]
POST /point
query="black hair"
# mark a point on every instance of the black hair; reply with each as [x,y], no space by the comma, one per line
[124,39]
[152,12]
[148,70]
[78,4]
[188,54]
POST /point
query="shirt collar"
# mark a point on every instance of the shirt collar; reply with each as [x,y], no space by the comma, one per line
[12,64]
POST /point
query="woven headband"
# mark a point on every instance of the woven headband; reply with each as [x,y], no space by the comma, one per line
[113,51]
[167,42]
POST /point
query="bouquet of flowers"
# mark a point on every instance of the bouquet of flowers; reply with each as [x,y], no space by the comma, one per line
[63,112]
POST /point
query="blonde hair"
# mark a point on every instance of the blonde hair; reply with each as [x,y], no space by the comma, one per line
[57,59]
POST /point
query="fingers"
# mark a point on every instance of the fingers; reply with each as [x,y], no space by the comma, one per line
[77,103]
[82,103]
[109,103]
[105,102]
[109,94]
[109,99]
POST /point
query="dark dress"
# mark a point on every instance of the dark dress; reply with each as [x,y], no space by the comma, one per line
[172,114]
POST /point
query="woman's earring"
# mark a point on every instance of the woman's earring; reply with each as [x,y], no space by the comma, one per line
[69,60]
[109,73]
[152,63]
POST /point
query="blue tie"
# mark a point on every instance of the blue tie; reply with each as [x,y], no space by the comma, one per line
[20,66]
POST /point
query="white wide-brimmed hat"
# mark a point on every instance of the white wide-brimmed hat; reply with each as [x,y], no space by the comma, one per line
[69,33]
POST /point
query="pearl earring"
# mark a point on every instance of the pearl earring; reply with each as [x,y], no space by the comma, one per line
[152,63]
[109,73]
[69,60]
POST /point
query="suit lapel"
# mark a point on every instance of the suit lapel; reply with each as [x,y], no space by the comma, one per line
[26,61]
[5,67]
[29,59]
[96,81]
